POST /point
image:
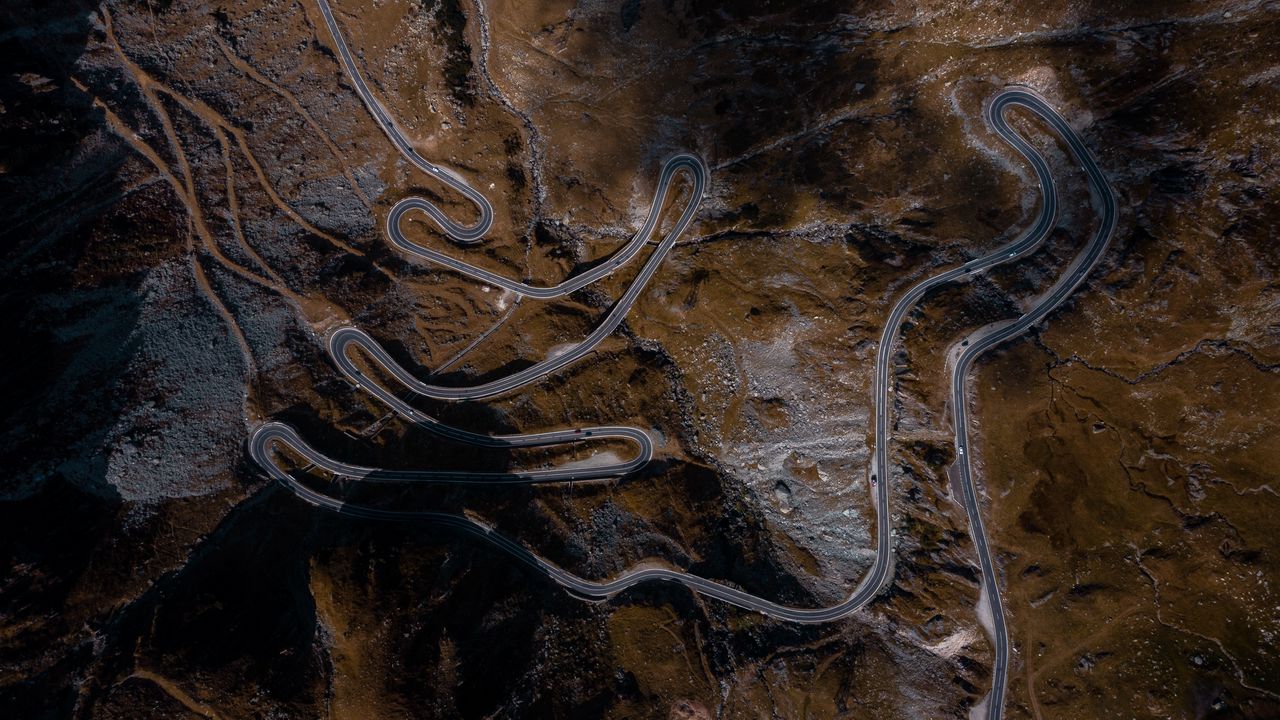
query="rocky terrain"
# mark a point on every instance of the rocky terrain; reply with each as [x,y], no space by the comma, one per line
[194,194]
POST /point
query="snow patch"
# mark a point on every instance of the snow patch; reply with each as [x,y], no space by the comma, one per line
[608,457]
[558,350]
[953,644]
[979,710]
[984,613]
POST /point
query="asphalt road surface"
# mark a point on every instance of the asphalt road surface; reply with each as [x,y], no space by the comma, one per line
[465,234]
[343,338]
[987,338]
[271,435]
[689,163]
[346,336]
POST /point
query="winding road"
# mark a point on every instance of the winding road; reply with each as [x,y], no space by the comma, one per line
[987,338]
[465,234]
[342,338]
[270,436]
[689,163]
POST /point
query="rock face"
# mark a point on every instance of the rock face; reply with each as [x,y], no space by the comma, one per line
[194,194]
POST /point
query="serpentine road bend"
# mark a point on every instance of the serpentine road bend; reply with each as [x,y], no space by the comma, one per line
[344,337]
[689,163]
[988,338]
[341,338]
[267,437]
[465,234]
